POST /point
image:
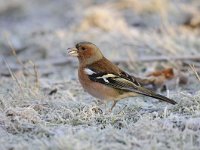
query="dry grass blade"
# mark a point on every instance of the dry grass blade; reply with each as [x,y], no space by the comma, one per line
[15,54]
[195,72]
[13,75]
[13,50]
[36,74]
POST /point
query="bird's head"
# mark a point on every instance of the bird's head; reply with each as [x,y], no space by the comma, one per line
[86,52]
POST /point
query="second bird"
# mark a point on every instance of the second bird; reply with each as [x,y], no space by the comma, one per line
[104,80]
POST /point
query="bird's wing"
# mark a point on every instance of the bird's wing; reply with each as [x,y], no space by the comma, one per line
[124,82]
[120,82]
[110,79]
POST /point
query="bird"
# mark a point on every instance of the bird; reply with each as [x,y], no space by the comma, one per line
[106,81]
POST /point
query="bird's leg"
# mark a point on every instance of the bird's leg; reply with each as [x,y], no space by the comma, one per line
[105,105]
[99,102]
[113,105]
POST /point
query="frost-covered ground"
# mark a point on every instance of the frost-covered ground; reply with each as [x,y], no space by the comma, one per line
[42,105]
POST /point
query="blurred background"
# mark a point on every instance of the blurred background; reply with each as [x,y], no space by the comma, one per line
[41,31]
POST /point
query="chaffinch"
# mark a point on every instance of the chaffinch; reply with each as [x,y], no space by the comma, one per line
[104,80]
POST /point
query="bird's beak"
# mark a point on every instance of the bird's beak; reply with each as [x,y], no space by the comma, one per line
[73,52]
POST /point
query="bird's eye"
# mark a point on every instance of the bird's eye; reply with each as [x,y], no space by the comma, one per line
[83,48]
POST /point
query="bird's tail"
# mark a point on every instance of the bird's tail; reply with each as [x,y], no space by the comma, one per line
[163,98]
[147,92]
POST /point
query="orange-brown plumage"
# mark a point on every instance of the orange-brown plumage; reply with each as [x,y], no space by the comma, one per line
[104,80]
